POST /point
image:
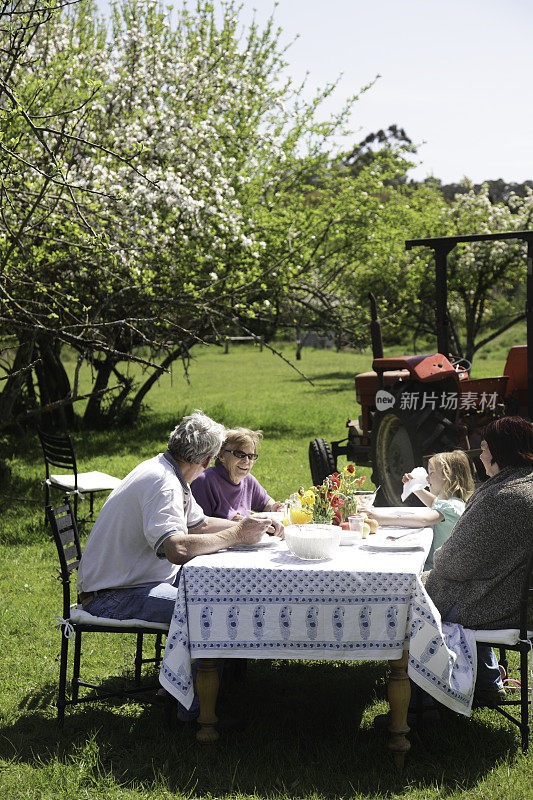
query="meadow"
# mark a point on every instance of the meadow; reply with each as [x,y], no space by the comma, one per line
[310,732]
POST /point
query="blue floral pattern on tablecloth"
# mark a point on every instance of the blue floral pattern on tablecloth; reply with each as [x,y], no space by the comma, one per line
[317,614]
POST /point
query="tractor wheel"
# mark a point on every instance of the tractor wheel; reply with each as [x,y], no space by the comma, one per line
[395,451]
[321,461]
[400,440]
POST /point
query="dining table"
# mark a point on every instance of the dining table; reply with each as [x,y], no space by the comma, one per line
[365,603]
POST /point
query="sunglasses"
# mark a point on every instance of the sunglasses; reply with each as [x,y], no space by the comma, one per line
[240,454]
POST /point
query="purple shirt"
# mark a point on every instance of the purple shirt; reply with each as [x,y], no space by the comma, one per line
[218,496]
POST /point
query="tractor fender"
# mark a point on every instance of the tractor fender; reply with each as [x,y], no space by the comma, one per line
[422,368]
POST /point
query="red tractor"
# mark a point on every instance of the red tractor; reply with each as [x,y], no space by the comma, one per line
[414,406]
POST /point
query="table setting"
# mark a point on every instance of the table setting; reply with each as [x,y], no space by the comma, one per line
[360,602]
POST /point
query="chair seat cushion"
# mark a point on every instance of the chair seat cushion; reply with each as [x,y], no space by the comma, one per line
[80,617]
[87,481]
[508,636]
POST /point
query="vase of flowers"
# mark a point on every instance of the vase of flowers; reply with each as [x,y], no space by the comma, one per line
[331,502]
[349,485]
[321,502]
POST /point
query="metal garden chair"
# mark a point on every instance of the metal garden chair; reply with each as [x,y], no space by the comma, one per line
[75,621]
[58,451]
[519,640]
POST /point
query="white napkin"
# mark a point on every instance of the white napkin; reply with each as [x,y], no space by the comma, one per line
[418,481]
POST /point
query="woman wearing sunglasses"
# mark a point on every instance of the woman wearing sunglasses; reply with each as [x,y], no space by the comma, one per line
[229,490]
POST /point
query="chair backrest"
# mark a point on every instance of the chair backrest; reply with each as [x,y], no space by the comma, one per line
[65,533]
[526,599]
[58,451]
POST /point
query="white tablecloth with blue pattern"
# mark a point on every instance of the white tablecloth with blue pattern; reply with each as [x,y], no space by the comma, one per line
[359,605]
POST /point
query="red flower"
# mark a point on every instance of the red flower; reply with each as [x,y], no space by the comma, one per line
[337,519]
[336,502]
[350,468]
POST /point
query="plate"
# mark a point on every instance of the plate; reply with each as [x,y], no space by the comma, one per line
[405,544]
[265,541]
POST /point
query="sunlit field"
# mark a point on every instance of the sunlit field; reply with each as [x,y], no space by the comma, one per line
[309,732]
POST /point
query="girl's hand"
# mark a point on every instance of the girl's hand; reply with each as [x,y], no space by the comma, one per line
[277,506]
[407,477]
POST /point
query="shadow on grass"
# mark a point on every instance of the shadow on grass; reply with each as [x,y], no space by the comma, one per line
[339,376]
[22,496]
[143,440]
[309,733]
[88,444]
[329,383]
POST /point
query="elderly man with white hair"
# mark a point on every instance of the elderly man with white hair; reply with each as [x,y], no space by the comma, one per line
[151,523]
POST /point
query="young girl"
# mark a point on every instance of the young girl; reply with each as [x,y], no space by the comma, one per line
[450,485]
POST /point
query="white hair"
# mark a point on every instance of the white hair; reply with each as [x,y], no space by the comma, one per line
[196,438]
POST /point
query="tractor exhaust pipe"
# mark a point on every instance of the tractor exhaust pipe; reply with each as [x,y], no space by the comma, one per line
[375,329]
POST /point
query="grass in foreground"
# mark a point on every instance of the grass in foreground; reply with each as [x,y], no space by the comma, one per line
[310,733]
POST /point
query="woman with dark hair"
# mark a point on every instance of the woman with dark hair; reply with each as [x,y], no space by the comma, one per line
[510,443]
[478,573]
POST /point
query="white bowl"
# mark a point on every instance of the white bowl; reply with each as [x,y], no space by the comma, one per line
[312,542]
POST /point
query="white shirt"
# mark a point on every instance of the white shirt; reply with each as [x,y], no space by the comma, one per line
[152,503]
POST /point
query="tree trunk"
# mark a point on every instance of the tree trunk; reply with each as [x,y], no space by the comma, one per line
[93,417]
[470,340]
[10,394]
[54,384]
[132,412]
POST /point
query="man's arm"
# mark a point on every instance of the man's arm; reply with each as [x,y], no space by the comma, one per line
[214,535]
[216,524]
[213,525]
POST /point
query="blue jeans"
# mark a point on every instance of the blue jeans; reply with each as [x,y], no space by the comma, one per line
[153,603]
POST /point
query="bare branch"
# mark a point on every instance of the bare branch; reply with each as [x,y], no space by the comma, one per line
[35,412]
[21,371]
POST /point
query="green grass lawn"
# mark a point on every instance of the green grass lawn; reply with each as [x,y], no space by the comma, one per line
[310,731]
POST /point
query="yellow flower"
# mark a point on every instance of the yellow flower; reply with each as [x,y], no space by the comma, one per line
[309,498]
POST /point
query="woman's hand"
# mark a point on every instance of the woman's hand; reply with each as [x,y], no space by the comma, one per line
[274,528]
[407,477]
[273,505]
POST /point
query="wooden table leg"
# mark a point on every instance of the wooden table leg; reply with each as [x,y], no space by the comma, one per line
[207,688]
[399,691]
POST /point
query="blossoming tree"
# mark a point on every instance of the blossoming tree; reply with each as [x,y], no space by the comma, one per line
[184,172]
